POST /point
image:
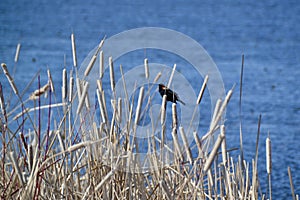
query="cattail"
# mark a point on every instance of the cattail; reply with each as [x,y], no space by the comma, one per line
[101,64]
[17,53]
[224,151]
[107,176]
[216,110]
[120,110]
[216,120]
[90,65]
[64,84]
[111,74]
[176,143]
[50,80]
[268,155]
[213,153]
[139,105]
[102,111]
[93,59]
[37,93]
[202,89]
[100,46]
[79,87]
[71,86]
[9,78]
[74,50]
[186,145]
[104,103]
[269,164]
[212,124]
[157,77]
[146,68]
[174,116]
[82,98]
[30,156]
[2,104]
[224,105]
[163,109]
[87,100]
[23,140]
[78,146]
[171,77]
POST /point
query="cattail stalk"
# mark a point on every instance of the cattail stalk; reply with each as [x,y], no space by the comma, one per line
[99,85]
[162,142]
[171,77]
[165,189]
[291,183]
[112,128]
[13,159]
[198,143]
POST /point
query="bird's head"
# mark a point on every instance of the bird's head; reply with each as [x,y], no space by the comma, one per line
[162,87]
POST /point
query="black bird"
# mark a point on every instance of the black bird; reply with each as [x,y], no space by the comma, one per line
[171,96]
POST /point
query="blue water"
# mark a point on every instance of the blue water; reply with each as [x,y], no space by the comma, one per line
[266,32]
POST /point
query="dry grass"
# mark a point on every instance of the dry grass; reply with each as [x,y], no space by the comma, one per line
[92,162]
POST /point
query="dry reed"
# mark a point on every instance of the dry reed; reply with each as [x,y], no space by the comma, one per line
[101,161]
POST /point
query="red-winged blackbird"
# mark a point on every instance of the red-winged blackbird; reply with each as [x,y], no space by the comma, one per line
[171,96]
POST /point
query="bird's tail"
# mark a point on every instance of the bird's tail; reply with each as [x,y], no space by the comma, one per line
[181,102]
